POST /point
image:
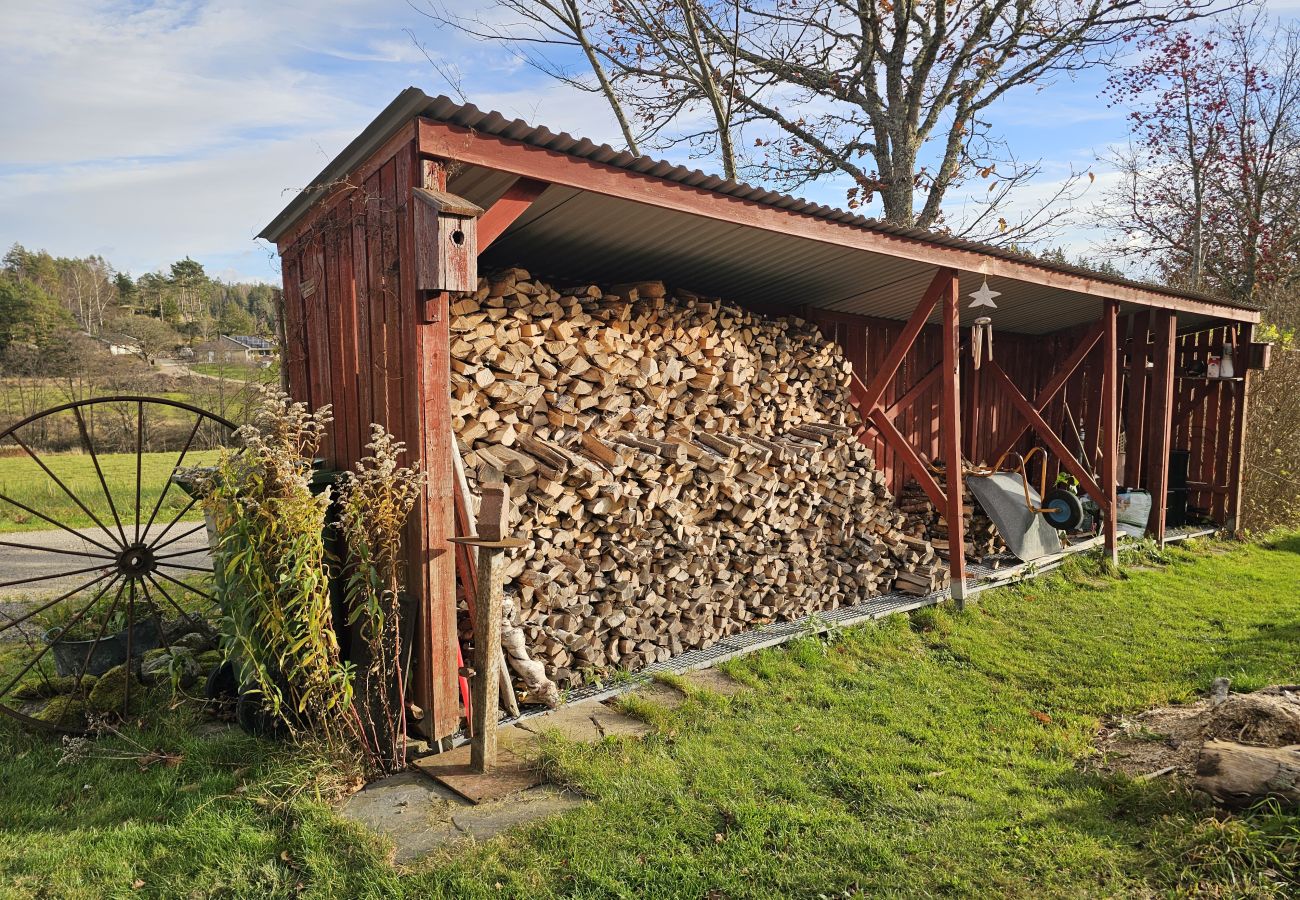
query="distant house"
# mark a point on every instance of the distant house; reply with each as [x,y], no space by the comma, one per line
[234,348]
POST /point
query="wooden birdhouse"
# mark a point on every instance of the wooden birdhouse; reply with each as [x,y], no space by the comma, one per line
[446,242]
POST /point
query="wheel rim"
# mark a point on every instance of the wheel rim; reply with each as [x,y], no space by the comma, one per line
[105,545]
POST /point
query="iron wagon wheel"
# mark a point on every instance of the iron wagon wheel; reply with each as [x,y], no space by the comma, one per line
[104,553]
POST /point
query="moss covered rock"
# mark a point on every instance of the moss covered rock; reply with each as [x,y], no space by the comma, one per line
[210,659]
[41,688]
[109,693]
[196,641]
[66,711]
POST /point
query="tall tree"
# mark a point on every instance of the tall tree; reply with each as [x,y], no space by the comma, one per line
[1210,189]
[892,94]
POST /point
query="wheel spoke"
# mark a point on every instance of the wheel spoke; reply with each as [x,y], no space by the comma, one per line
[162,534]
[36,578]
[172,565]
[198,420]
[180,537]
[168,597]
[94,457]
[63,487]
[4,692]
[25,508]
[14,623]
[130,637]
[62,550]
[204,594]
[139,461]
[190,552]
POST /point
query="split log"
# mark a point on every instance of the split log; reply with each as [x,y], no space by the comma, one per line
[1242,774]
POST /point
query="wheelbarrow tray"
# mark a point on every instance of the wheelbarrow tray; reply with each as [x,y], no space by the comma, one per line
[1026,533]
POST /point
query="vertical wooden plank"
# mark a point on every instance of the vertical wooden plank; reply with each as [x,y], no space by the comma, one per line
[294,352]
[1223,435]
[1110,425]
[317,331]
[950,423]
[330,315]
[1135,418]
[1164,325]
[1196,428]
[357,210]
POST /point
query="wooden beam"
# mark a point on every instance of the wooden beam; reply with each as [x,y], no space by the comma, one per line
[950,437]
[1164,325]
[1045,432]
[927,381]
[1237,464]
[1196,397]
[512,204]
[911,459]
[443,139]
[1053,387]
[1109,427]
[870,399]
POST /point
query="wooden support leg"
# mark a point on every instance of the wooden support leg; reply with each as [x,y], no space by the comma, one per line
[487,654]
[1165,326]
[1110,426]
[950,437]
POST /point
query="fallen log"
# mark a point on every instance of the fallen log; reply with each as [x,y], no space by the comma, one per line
[1242,774]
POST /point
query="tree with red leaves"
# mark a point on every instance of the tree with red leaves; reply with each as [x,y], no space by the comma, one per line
[1210,188]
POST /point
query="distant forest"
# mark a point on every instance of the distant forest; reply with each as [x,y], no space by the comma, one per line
[45,299]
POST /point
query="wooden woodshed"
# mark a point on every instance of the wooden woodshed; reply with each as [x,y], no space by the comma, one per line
[432,192]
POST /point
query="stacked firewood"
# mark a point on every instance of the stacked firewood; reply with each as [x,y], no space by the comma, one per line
[926,522]
[686,469]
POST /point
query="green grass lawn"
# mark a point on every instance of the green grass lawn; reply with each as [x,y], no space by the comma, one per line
[239,371]
[23,480]
[930,755]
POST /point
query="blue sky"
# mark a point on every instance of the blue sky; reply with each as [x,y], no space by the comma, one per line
[150,131]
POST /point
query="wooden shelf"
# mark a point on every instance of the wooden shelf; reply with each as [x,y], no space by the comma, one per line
[1207,378]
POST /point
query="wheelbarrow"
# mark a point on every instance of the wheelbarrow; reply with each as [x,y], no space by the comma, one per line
[1029,520]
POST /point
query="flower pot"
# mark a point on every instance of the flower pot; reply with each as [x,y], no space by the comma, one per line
[109,651]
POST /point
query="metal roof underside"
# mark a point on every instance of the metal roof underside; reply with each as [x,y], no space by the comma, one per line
[572,236]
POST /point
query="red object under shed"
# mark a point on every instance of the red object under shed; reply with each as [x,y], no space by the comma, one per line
[372,248]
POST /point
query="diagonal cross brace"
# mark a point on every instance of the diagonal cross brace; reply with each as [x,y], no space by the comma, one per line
[1053,386]
[1049,437]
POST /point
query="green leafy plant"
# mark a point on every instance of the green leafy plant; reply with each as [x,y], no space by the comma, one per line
[274,579]
[374,504]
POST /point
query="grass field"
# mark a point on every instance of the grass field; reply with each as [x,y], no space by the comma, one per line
[931,755]
[21,479]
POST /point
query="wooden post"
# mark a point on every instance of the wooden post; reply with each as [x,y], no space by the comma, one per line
[1237,464]
[950,437]
[1110,426]
[492,522]
[1164,324]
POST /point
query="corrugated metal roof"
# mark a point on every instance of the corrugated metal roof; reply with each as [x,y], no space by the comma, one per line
[590,221]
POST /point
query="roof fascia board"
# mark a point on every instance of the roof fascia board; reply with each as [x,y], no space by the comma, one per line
[396,117]
[442,140]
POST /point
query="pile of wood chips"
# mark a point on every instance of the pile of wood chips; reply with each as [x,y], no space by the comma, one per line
[684,469]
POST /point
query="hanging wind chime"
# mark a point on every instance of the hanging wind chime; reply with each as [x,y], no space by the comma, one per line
[981,332]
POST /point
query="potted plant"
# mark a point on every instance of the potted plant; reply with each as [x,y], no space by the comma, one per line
[99,643]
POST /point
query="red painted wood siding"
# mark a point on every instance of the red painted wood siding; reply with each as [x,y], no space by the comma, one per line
[355,339]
